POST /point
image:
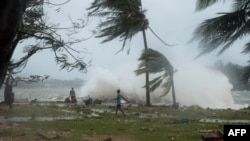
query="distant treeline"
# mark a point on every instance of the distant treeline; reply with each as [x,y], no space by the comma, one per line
[53,83]
[236,75]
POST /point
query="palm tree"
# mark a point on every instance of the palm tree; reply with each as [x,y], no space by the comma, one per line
[222,31]
[124,19]
[154,62]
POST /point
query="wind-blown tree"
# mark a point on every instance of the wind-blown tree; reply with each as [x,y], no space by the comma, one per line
[12,80]
[16,28]
[35,27]
[222,31]
[11,12]
[124,19]
[45,36]
[156,63]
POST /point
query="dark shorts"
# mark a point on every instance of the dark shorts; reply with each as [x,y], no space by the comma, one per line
[118,105]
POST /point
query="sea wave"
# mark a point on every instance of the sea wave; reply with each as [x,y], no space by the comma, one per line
[241,98]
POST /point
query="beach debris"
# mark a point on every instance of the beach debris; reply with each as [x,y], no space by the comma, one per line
[171,136]
[122,129]
[67,100]
[33,101]
[108,139]
[98,101]
[209,135]
[33,116]
[147,129]
[49,135]
[182,121]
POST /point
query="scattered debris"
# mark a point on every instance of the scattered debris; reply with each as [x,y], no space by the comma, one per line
[147,129]
[49,135]
[108,139]
[98,101]
[209,135]
[33,101]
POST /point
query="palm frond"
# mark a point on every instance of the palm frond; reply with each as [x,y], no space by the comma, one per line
[218,31]
[155,85]
[244,30]
[155,80]
[113,5]
[224,30]
[124,19]
[154,62]
[121,27]
[241,4]
[107,13]
[203,4]
[140,71]
[167,86]
[247,48]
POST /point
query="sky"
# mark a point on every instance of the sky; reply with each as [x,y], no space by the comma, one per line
[173,20]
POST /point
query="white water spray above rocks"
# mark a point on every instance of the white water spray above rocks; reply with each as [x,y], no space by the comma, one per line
[194,85]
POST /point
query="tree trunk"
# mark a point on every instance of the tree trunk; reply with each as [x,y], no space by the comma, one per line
[148,103]
[173,91]
[11,12]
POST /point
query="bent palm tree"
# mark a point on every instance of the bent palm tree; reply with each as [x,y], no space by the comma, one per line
[124,19]
[222,31]
[154,62]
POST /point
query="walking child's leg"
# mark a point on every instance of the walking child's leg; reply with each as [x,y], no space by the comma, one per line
[122,111]
[116,110]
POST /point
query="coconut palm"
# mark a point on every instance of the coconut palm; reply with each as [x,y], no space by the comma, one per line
[156,63]
[222,31]
[124,19]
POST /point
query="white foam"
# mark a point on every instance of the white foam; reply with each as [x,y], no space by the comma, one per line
[194,85]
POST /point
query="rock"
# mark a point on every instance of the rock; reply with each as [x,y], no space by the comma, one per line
[108,139]
[49,135]
[147,129]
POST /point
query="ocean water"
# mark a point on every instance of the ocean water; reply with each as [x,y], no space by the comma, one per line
[241,97]
[41,94]
[59,94]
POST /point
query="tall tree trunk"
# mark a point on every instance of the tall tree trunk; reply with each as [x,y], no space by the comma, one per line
[8,87]
[148,103]
[173,91]
[11,12]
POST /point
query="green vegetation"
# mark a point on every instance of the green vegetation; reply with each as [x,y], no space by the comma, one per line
[235,75]
[223,30]
[141,123]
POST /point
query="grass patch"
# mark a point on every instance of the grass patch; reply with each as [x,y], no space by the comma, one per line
[141,124]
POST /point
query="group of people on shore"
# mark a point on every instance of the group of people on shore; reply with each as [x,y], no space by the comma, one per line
[9,98]
[118,99]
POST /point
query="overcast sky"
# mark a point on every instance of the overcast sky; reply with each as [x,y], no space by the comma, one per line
[173,20]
